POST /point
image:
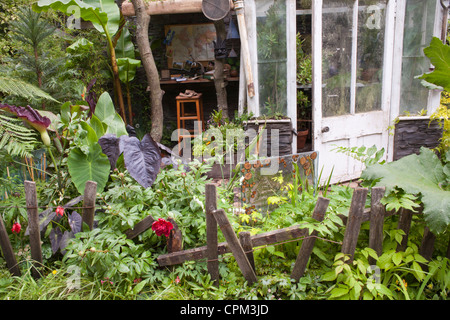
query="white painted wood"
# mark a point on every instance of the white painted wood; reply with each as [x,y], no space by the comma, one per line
[291,27]
[354,129]
[250,20]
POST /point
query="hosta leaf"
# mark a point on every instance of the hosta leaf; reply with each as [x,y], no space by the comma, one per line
[142,158]
[421,174]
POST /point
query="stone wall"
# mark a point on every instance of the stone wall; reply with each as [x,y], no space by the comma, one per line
[410,135]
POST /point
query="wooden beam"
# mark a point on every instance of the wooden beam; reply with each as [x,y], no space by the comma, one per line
[354,221]
[166,7]
[140,227]
[308,244]
[90,193]
[7,250]
[257,240]
[33,226]
[235,246]
[377,213]
[211,232]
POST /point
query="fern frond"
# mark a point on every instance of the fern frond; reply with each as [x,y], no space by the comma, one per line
[16,139]
[23,89]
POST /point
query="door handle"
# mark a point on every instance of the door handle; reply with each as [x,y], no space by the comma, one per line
[325,129]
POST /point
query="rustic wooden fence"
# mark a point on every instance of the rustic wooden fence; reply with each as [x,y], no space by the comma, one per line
[241,246]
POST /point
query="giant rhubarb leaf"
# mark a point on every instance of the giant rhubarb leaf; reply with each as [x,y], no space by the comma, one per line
[439,55]
[422,174]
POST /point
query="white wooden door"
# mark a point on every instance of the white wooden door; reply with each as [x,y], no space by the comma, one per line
[352,71]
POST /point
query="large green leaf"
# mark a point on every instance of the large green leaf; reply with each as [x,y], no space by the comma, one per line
[125,47]
[418,174]
[104,14]
[106,113]
[93,166]
[439,55]
[127,68]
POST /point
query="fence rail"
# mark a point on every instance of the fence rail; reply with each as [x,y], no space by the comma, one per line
[241,246]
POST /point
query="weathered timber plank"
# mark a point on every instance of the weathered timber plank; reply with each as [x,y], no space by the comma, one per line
[427,245]
[140,227]
[377,213]
[258,240]
[90,193]
[33,226]
[211,232]
[354,222]
[7,250]
[235,246]
[308,244]
[246,243]
[404,223]
[175,240]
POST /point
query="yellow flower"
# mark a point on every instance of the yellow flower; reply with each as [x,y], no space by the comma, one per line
[55,271]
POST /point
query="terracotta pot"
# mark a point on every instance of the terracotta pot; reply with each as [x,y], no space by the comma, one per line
[301,138]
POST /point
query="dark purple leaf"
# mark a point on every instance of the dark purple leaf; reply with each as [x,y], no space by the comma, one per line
[131,131]
[55,239]
[110,147]
[75,222]
[91,97]
[64,240]
[142,158]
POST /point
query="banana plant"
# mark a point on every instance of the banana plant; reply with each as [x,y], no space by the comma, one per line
[127,64]
[106,17]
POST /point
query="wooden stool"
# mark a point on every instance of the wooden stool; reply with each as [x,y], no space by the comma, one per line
[182,116]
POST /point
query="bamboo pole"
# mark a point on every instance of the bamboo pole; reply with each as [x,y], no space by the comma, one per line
[245,51]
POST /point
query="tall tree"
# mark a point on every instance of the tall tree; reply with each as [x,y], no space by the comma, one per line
[156,94]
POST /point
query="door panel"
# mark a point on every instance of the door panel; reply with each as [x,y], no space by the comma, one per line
[350,106]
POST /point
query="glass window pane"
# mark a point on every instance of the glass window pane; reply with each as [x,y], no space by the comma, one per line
[419,24]
[337,56]
[371,31]
[272,56]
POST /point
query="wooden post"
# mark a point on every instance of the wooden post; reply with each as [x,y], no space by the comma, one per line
[354,222]
[377,213]
[7,250]
[246,243]
[175,240]
[427,245]
[404,223]
[90,193]
[140,227]
[308,244]
[212,252]
[235,246]
[33,226]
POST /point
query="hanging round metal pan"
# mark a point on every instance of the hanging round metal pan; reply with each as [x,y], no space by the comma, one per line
[216,9]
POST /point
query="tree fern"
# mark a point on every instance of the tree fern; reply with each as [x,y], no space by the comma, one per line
[16,139]
[14,86]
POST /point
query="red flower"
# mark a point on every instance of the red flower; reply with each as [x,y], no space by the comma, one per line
[162,227]
[60,211]
[16,227]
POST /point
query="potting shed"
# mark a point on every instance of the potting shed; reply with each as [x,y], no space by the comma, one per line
[364,54]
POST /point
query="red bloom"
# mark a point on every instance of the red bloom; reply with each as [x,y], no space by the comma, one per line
[16,227]
[60,211]
[162,227]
